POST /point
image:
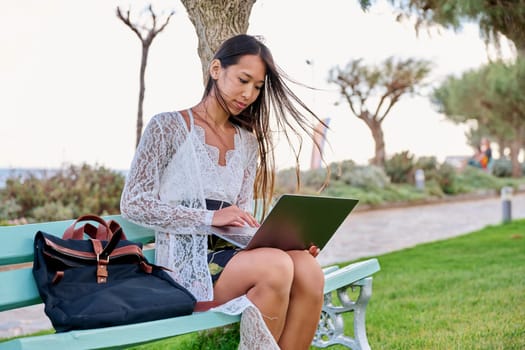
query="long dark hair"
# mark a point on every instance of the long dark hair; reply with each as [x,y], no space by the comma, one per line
[275,96]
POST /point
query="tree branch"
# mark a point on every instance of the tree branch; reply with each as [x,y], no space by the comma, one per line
[151,32]
[127,22]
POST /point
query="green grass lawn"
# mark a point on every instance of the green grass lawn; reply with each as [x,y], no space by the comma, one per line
[462,293]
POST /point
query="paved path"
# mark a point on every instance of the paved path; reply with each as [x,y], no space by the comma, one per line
[363,234]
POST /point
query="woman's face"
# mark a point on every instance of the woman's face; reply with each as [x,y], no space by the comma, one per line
[240,84]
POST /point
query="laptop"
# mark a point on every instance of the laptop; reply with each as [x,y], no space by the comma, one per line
[295,223]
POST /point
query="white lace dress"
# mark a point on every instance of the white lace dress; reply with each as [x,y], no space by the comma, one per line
[171,175]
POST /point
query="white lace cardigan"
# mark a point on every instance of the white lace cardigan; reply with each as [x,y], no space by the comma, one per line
[171,175]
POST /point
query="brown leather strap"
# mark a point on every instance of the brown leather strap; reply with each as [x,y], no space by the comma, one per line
[127,250]
[115,227]
[147,268]
[92,232]
[102,261]
[97,246]
[104,253]
[58,277]
[103,232]
[117,252]
[202,306]
[102,271]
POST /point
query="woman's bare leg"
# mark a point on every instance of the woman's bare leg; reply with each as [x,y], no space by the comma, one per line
[306,302]
[265,275]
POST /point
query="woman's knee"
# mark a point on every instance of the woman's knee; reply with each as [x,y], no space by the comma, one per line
[264,270]
[278,269]
[308,276]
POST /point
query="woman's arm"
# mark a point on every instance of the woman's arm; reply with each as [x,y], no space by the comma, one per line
[140,201]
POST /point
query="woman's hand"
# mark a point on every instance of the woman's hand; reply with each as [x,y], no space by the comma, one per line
[233,216]
[314,250]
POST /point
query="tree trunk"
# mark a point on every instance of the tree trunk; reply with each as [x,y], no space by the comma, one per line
[216,21]
[515,147]
[142,90]
[379,139]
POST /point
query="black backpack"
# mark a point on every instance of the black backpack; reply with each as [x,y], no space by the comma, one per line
[102,281]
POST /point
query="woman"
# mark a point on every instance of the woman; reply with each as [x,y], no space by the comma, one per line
[202,166]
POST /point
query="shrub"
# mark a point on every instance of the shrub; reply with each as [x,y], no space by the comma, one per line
[348,172]
[474,178]
[502,167]
[315,178]
[286,181]
[66,193]
[366,177]
[9,209]
[52,211]
[337,169]
[446,178]
[427,163]
[400,167]
[430,167]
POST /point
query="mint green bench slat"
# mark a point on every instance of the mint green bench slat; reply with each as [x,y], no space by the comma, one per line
[123,335]
[349,274]
[19,289]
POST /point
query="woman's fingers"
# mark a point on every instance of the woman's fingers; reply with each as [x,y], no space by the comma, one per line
[250,220]
[233,216]
[314,250]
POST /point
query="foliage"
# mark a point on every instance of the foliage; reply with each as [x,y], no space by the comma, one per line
[337,169]
[389,194]
[400,167]
[346,172]
[430,167]
[427,163]
[446,178]
[494,18]
[9,210]
[472,179]
[360,176]
[314,179]
[286,181]
[64,194]
[502,167]
[492,96]
[366,177]
[371,184]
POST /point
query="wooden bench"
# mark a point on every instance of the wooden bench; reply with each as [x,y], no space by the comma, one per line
[18,290]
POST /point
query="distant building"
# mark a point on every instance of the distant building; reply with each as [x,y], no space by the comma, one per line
[319,138]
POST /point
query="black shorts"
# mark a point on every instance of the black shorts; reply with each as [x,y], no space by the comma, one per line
[219,251]
[218,259]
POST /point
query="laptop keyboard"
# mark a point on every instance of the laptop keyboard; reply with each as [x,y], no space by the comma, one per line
[240,238]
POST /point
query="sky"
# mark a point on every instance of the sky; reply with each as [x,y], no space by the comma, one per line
[69,77]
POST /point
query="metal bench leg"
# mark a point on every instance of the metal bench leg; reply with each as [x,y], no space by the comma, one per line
[330,330]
